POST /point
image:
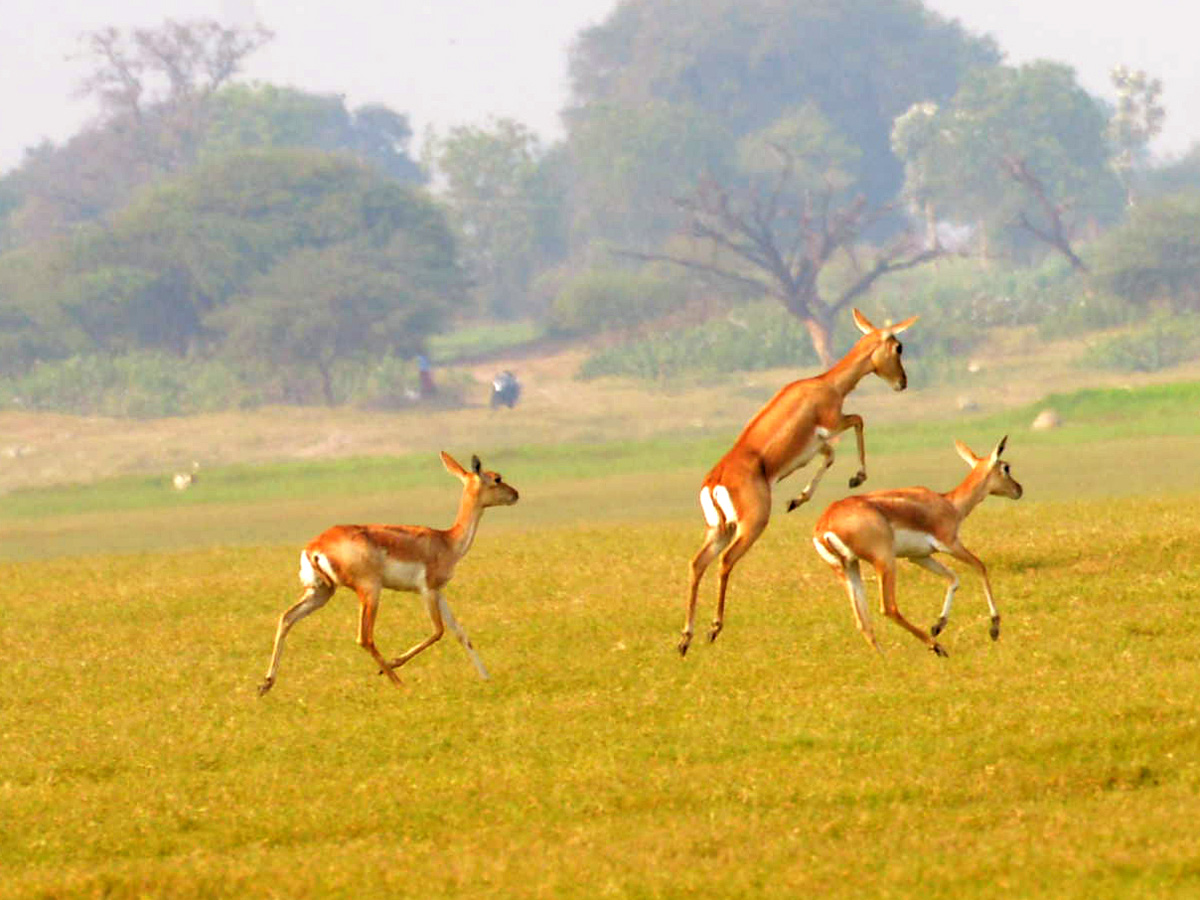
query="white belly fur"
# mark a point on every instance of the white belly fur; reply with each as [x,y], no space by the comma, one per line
[402,575]
[807,452]
[910,544]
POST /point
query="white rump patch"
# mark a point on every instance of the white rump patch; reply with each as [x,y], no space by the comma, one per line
[721,495]
[711,500]
[309,577]
[840,547]
[825,554]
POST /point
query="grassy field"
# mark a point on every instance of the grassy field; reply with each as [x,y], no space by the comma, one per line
[785,760]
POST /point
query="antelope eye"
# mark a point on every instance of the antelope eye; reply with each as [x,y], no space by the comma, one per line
[899,349]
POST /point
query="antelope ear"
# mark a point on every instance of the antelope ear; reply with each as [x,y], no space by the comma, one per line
[452,466]
[967,455]
[863,323]
[476,465]
[903,326]
[999,448]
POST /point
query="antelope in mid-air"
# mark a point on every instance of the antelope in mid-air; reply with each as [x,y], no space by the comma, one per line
[911,523]
[799,422]
[368,558]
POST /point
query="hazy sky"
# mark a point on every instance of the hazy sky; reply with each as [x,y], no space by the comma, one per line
[447,62]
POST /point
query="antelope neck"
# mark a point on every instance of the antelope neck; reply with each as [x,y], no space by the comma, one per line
[853,367]
[462,532]
[969,494]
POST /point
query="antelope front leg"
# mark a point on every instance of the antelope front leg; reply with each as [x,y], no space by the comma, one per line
[433,607]
[958,551]
[932,565]
[459,633]
[856,422]
[826,451]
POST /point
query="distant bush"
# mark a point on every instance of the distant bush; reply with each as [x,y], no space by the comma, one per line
[1153,259]
[758,336]
[601,300]
[137,385]
[151,385]
[1166,341]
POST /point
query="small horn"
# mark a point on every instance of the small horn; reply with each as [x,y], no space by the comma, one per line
[476,465]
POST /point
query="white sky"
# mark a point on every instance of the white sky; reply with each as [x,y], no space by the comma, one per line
[447,62]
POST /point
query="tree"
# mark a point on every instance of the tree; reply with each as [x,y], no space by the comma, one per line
[794,208]
[158,80]
[1136,121]
[155,275]
[318,304]
[154,87]
[1153,258]
[737,66]
[243,117]
[1016,151]
[505,205]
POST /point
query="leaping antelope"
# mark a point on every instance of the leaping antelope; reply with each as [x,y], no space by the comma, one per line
[368,558]
[912,523]
[799,422]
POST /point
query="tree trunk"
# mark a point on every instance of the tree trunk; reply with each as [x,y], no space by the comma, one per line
[819,332]
[326,383]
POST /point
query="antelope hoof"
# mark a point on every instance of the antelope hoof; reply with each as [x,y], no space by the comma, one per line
[265,686]
[858,479]
[714,631]
[994,631]
[684,643]
[796,502]
[938,649]
[938,626]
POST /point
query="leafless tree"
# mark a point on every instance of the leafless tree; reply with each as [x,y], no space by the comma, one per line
[775,237]
[159,79]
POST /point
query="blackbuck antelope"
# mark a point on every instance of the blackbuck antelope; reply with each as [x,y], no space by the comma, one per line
[799,422]
[368,558]
[911,523]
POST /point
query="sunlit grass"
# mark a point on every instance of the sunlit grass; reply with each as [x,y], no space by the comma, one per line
[785,760]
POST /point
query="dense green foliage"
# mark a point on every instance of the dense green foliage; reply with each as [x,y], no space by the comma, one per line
[1153,258]
[722,69]
[1163,342]
[272,240]
[750,338]
[1011,150]
[507,201]
[285,257]
[614,299]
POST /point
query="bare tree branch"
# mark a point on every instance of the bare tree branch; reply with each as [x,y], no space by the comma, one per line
[1019,170]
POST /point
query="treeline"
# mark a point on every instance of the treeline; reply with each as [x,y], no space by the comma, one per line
[803,153]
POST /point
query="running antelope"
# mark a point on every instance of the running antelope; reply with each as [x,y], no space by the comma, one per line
[368,558]
[912,523]
[795,425]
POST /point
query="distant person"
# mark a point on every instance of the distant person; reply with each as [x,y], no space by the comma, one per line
[505,390]
[425,369]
